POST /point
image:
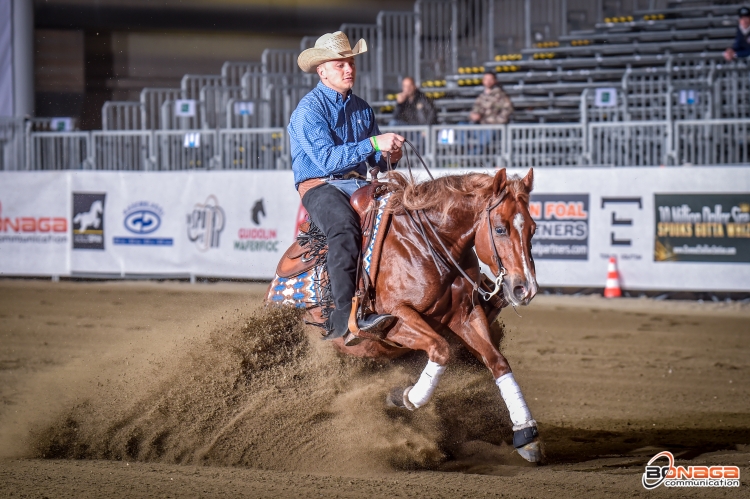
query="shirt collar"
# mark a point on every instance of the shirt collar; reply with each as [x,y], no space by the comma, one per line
[331,94]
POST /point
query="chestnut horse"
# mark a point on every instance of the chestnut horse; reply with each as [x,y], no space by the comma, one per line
[428,279]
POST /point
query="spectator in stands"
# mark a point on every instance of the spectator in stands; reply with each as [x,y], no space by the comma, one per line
[493,106]
[414,107]
[741,46]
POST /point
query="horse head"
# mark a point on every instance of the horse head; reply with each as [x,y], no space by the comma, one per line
[503,237]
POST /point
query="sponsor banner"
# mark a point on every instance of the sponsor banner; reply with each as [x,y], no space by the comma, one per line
[35,222]
[562,226]
[702,228]
[239,223]
[142,223]
[622,223]
[88,220]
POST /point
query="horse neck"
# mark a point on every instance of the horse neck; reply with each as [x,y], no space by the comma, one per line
[458,229]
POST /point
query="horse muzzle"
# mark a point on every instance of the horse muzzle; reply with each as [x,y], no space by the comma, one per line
[518,291]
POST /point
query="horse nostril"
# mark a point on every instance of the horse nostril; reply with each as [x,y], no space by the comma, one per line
[519,291]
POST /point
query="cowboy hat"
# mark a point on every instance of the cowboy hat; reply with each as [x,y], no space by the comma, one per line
[329,47]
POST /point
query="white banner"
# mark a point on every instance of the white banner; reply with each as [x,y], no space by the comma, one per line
[670,228]
[220,224]
[622,223]
[34,223]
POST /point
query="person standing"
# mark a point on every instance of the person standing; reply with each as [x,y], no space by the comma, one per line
[334,140]
[493,106]
[413,106]
[741,46]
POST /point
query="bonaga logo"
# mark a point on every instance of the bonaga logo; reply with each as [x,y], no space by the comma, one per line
[688,476]
[205,224]
[88,221]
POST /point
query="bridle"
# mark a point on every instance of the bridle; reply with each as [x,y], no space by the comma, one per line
[437,258]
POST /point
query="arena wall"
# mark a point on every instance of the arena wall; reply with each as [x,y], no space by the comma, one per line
[670,228]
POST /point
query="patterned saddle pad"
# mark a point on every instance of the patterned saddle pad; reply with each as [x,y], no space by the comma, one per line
[311,288]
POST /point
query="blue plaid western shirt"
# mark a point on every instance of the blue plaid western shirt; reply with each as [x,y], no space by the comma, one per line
[331,135]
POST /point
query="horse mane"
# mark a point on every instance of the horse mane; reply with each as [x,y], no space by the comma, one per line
[440,193]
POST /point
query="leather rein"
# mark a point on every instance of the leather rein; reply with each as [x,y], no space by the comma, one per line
[436,256]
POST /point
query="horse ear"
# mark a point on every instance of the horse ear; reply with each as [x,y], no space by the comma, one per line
[498,185]
[528,180]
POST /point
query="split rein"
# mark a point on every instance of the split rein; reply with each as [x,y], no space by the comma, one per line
[421,220]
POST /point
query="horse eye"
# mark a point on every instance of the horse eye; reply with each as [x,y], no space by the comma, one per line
[500,230]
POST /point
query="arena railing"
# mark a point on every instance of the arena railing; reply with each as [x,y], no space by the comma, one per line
[450,33]
[122,150]
[468,146]
[12,144]
[705,142]
[121,115]
[151,104]
[395,53]
[618,143]
[544,145]
[254,149]
[58,151]
[643,143]
[419,136]
[233,71]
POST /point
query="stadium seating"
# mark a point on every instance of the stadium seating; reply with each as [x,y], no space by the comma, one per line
[662,71]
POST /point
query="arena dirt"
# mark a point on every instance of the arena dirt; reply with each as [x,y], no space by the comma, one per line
[178,390]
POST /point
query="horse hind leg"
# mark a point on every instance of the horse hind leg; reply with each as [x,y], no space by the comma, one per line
[416,334]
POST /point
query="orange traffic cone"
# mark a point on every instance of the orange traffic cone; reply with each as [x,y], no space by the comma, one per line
[612,288]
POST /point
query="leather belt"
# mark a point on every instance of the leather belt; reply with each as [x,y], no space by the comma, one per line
[347,176]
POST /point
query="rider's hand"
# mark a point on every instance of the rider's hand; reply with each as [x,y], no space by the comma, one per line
[389,142]
[729,54]
[395,156]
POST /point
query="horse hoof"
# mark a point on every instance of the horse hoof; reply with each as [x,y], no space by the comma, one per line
[397,397]
[532,452]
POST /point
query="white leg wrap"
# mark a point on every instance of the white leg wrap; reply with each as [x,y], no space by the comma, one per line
[519,411]
[420,393]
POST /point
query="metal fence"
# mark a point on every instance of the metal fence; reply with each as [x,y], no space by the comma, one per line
[254,149]
[396,56]
[644,143]
[152,100]
[122,115]
[185,150]
[468,146]
[718,142]
[420,137]
[58,151]
[125,150]
[12,144]
[545,145]
[651,143]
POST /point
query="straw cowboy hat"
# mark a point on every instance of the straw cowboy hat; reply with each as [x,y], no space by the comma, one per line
[329,47]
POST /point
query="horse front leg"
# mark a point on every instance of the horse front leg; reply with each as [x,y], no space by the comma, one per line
[416,334]
[476,336]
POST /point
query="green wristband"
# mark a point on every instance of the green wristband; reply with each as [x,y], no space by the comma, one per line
[375,143]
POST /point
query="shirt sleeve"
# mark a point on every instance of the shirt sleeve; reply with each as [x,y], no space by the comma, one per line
[312,133]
